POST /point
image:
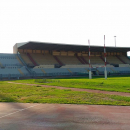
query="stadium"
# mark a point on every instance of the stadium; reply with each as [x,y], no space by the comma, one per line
[47,86]
[52,77]
[40,59]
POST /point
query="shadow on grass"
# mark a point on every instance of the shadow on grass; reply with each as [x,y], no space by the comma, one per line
[6,98]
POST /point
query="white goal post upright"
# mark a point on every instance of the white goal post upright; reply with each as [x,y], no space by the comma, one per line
[105,72]
[90,73]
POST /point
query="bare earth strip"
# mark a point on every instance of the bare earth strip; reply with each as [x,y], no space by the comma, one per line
[83,90]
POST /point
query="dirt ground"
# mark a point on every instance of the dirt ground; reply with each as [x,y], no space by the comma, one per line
[29,116]
[85,90]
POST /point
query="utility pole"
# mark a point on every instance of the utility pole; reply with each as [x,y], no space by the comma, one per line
[115,40]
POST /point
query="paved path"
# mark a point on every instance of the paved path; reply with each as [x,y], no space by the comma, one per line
[78,89]
[29,116]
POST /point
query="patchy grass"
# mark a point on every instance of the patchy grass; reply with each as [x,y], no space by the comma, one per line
[118,84]
[37,94]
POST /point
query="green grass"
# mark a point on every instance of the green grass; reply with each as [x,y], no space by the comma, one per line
[37,94]
[119,84]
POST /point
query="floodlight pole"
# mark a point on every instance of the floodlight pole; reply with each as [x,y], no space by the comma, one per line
[105,72]
[115,40]
[90,74]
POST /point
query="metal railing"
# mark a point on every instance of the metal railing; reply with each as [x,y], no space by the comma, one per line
[35,75]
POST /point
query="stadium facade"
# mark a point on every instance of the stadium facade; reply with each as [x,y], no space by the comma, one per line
[40,59]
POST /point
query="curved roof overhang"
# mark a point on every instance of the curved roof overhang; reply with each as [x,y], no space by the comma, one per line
[68,47]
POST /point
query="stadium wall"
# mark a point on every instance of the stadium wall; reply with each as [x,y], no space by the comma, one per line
[15,49]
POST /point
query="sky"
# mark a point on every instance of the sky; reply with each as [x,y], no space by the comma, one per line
[64,21]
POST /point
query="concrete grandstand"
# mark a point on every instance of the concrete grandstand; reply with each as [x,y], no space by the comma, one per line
[38,59]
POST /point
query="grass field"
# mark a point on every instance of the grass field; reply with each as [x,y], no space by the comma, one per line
[118,84]
[37,94]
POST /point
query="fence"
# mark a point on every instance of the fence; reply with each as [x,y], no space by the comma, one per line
[38,75]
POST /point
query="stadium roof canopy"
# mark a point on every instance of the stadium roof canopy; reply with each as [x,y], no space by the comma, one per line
[67,47]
